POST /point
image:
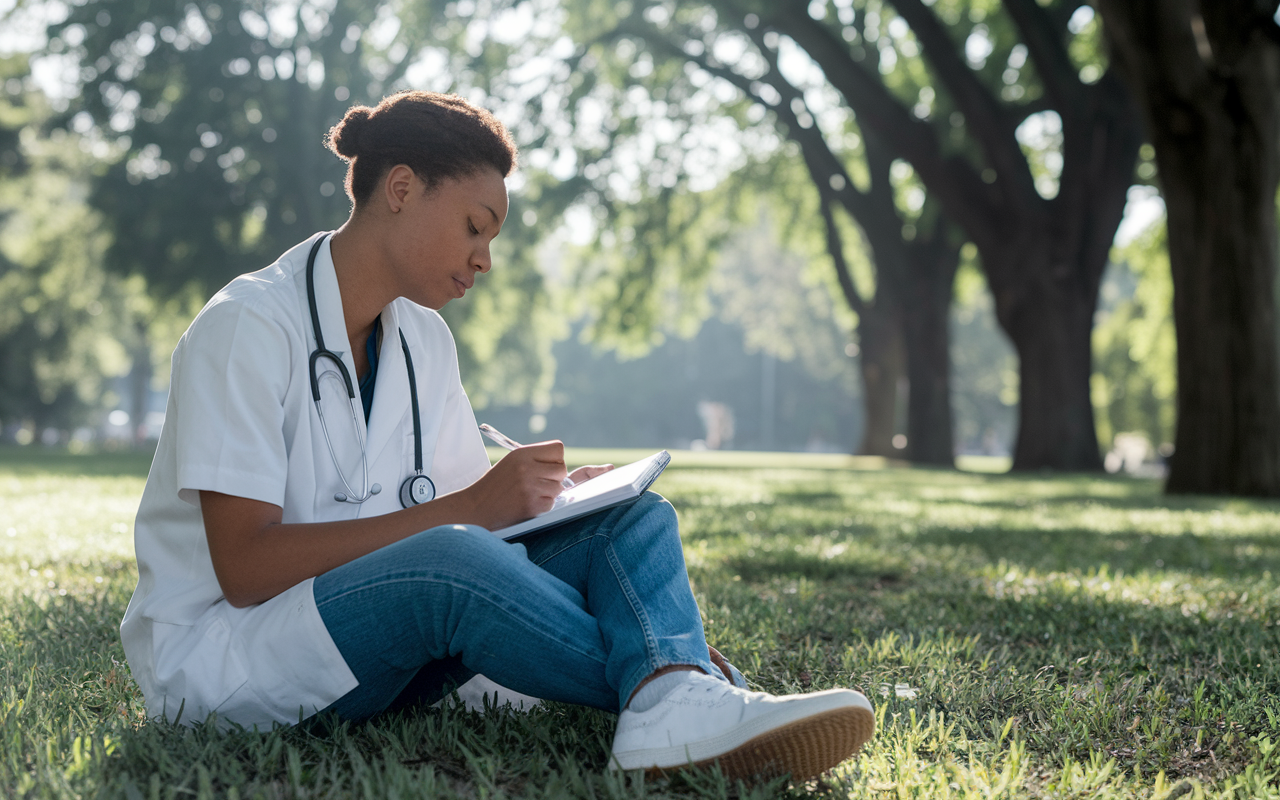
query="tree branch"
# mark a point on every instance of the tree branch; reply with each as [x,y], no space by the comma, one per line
[835,247]
[970,202]
[993,127]
[821,162]
[1044,42]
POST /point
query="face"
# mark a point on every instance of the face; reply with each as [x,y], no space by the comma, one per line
[440,239]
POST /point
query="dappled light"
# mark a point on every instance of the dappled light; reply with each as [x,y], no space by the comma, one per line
[959,316]
[1047,635]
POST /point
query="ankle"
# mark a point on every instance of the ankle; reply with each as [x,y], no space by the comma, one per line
[660,673]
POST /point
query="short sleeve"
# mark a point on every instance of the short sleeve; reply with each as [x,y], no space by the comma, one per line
[231,374]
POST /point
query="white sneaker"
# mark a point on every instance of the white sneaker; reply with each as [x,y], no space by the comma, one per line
[750,734]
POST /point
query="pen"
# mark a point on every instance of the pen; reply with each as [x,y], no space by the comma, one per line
[502,440]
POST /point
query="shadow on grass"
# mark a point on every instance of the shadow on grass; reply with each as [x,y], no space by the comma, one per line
[1227,556]
[25,461]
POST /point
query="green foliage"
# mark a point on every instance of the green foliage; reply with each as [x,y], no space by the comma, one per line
[783,299]
[219,111]
[64,323]
[216,113]
[505,330]
[1135,352]
[766,352]
[650,168]
[1068,637]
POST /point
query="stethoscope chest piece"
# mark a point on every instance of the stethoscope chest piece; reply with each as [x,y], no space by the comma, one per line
[416,489]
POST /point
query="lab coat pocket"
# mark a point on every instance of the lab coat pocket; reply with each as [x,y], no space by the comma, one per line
[294,668]
[195,670]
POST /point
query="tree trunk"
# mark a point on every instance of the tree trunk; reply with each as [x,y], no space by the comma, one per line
[1209,86]
[1051,330]
[140,384]
[927,339]
[882,362]
[1221,204]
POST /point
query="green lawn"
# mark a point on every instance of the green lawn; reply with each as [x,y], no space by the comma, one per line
[1020,636]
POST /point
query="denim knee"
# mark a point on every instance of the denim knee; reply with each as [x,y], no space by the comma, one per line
[650,516]
[469,548]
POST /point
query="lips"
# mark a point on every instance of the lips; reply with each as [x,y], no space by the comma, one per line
[462,287]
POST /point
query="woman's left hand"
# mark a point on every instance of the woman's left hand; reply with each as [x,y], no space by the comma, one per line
[588,472]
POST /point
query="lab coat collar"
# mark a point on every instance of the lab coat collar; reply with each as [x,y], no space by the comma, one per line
[333,328]
[333,325]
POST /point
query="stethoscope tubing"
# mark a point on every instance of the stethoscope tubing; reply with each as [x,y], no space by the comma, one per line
[407,495]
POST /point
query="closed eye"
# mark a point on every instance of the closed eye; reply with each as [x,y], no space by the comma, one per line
[471,227]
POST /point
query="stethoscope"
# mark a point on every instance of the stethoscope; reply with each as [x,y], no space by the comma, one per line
[417,488]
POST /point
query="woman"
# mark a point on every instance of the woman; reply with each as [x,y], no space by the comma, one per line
[297,553]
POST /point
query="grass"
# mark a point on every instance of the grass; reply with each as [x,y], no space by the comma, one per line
[1020,636]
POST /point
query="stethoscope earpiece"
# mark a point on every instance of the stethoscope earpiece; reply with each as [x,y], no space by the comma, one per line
[341,497]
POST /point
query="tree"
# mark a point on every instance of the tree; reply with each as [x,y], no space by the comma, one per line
[1043,251]
[1208,79]
[219,110]
[915,255]
[64,324]
[634,56]
[1043,229]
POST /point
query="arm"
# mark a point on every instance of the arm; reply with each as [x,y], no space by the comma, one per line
[256,556]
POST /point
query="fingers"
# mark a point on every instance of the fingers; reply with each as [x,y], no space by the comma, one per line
[524,483]
[551,452]
[588,472]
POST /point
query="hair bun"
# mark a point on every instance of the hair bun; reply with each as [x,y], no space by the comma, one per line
[346,138]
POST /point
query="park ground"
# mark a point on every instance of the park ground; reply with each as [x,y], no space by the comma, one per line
[1020,636]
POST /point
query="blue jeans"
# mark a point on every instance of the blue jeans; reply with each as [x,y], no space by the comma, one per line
[580,613]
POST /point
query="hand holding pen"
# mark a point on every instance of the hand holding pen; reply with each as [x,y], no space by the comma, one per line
[502,440]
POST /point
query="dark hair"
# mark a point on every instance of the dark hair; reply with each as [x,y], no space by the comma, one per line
[438,136]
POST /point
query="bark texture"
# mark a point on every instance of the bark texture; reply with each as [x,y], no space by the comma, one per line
[1208,77]
[881,363]
[1043,257]
[926,317]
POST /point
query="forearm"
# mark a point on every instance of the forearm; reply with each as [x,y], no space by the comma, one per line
[256,556]
[262,560]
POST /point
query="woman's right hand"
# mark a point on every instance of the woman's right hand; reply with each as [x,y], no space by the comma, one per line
[524,484]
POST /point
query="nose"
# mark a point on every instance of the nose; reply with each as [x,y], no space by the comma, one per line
[482,261]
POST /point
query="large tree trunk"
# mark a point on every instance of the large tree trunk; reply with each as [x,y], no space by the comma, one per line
[926,333]
[1051,331]
[1210,88]
[882,362]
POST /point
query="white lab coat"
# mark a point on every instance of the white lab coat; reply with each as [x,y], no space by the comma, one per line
[241,421]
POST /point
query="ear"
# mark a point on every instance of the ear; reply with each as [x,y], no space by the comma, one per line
[398,185]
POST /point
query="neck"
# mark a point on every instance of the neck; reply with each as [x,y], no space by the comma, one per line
[357,260]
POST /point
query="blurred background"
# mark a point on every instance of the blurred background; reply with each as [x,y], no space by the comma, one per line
[909,229]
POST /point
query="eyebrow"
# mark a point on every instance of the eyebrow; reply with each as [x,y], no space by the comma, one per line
[491,211]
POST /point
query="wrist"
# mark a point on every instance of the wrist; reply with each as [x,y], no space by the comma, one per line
[464,507]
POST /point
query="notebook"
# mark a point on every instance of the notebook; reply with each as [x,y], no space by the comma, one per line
[613,488]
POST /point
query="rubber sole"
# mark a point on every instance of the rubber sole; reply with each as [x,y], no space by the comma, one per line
[803,749]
